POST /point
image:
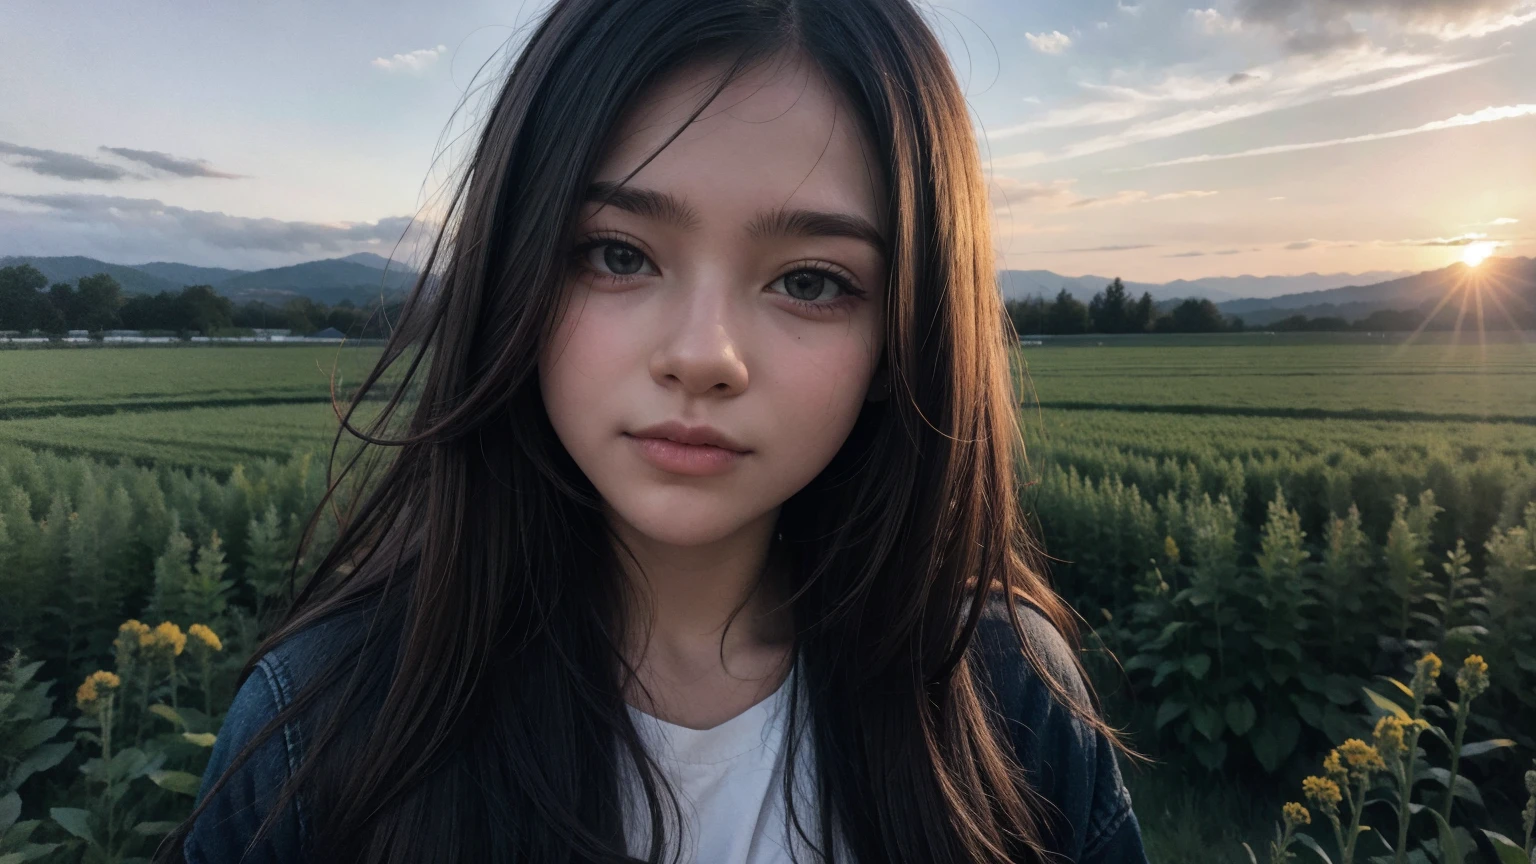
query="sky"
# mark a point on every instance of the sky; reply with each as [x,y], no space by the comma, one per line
[1155,141]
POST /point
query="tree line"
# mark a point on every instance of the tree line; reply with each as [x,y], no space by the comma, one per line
[1113,310]
[96,303]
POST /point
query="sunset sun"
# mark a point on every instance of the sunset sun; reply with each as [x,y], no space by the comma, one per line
[1477,253]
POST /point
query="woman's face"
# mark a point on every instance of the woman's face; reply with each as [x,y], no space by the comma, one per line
[709,295]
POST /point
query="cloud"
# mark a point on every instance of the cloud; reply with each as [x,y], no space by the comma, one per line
[1410,77]
[1213,23]
[1504,220]
[1201,102]
[1103,249]
[1007,192]
[1486,115]
[1319,26]
[1230,252]
[1463,240]
[1278,198]
[153,224]
[1128,9]
[414,61]
[65,166]
[171,164]
[1186,255]
[1428,242]
[1053,42]
[1240,78]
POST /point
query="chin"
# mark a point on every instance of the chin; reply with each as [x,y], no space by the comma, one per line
[666,519]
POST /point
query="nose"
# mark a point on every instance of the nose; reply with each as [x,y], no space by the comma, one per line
[700,353]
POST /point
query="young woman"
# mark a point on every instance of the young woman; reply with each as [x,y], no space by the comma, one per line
[703,542]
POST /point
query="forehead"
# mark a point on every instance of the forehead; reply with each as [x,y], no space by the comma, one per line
[778,135]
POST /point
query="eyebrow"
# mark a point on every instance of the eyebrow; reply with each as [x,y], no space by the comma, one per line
[775,222]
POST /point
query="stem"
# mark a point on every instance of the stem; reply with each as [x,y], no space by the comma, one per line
[174,706]
[1358,805]
[1462,710]
[1405,814]
[1338,831]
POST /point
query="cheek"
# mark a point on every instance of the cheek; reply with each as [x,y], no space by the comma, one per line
[576,369]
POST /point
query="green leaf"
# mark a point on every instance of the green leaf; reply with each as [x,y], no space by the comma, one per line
[153,828]
[1207,721]
[1168,712]
[201,739]
[168,713]
[1240,716]
[176,781]
[1401,687]
[42,759]
[1508,851]
[38,732]
[1450,851]
[1465,788]
[10,811]
[1210,753]
[1481,747]
[1254,859]
[75,821]
[1340,691]
[1164,669]
[1197,665]
[1307,841]
[1386,705]
[1141,661]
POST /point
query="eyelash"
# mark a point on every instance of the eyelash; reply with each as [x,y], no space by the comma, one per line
[843,281]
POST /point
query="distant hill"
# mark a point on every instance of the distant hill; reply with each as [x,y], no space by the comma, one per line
[378,262]
[71,268]
[186,274]
[1274,286]
[1515,277]
[317,279]
[1018,284]
[359,278]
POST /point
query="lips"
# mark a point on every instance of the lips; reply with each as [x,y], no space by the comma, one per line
[682,433]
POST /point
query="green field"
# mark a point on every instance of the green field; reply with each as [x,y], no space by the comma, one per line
[211,407]
[1259,528]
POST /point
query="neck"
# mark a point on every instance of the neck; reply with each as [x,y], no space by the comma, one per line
[680,599]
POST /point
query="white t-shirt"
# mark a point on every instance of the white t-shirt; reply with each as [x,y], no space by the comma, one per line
[729,785]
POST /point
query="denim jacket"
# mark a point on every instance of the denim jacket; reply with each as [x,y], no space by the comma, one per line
[1088,810]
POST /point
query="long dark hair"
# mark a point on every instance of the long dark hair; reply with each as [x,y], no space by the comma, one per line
[491,649]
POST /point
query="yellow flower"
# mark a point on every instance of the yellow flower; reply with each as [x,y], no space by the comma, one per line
[130,636]
[1472,678]
[1389,737]
[1323,793]
[206,636]
[1425,673]
[167,639]
[1170,549]
[1295,814]
[1361,758]
[88,696]
[1334,768]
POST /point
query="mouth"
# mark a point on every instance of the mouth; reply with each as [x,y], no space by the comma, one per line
[693,436]
[676,457]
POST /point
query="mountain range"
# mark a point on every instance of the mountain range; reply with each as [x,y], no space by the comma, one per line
[1259,300]
[359,278]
